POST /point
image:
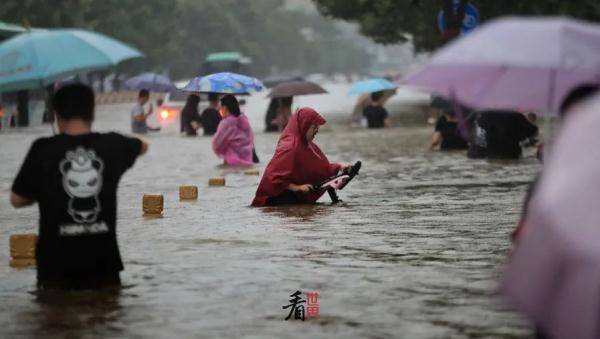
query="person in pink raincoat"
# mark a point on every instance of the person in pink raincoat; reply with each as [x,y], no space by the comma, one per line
[234,141]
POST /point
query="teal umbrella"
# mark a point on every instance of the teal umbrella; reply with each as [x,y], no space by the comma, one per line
[36,59]
[371,85]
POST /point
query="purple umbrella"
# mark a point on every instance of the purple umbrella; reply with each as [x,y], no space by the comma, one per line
[150,81]
[554,274]
[515,63]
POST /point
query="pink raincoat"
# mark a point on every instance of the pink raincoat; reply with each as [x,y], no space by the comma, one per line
[234,141]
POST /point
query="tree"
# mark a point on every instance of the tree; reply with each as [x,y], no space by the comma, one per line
[176,35]
[139,23]
[391,21]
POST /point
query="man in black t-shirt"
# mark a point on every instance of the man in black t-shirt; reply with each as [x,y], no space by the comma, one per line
[376,115]
[73,176]
[210,117]
[504,131]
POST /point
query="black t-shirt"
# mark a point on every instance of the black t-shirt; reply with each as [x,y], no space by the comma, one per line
[74,180]
[451,138]
[375,115]
[210,119]
[504,130]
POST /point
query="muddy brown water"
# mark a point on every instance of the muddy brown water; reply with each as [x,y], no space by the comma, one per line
[414,251]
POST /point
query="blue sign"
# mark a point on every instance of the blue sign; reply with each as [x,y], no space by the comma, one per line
[470,21]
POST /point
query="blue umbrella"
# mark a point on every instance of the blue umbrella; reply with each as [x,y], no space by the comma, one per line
[36,59]
[371,85]
[150,81]
[230,83]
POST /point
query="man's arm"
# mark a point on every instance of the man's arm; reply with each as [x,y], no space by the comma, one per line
[142,116]
[436,139]
[150,110]
[387,123]
[386,118]
[19,201]
[144,148]
[130,149]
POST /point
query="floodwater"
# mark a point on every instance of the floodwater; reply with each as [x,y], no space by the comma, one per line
[414,251]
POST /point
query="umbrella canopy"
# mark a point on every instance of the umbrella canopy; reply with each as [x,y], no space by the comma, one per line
[553,274]
[225,82]
[273,81]
[36,59]
[292,88]
[150,81]
[371,85]
[514,63]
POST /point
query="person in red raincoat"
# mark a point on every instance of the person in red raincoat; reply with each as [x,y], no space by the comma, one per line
[298,163]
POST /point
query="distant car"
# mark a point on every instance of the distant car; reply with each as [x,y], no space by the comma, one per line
[230,61]
[170,111]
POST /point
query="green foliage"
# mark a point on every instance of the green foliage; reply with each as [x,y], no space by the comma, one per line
[390,21]
[176,35]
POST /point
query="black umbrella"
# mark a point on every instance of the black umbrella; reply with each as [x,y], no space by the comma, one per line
[293,88]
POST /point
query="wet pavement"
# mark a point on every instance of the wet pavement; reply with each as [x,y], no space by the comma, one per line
[414,251]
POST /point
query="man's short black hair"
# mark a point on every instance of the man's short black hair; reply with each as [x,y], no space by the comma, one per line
[231,103]
[212,97]
[375,96]
[74,101]
[144,93]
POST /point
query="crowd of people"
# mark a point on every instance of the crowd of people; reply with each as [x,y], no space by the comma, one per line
[73,176]
[75,181]
[483,134]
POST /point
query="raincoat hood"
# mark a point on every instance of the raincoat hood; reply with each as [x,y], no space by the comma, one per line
[296,161]
[300,122]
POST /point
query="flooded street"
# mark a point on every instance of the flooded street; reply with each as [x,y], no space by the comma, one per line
[414,251]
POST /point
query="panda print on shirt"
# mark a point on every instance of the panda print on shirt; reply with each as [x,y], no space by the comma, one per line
[82,181]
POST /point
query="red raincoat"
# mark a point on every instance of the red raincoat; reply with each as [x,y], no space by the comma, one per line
[296,161]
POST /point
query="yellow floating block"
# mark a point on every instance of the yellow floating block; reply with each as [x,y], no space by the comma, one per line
[217,181]
[22,263]
[22,246]
[188,192]
[153,204]
[252,171]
